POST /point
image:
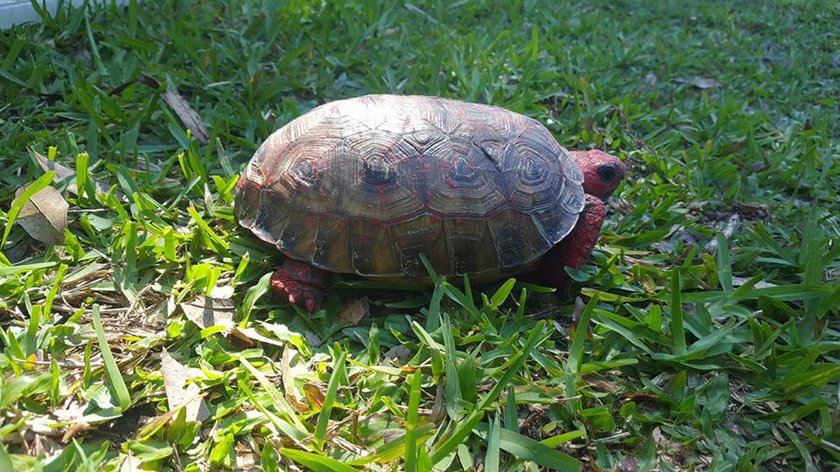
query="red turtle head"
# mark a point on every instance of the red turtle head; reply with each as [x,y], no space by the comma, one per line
[602,172]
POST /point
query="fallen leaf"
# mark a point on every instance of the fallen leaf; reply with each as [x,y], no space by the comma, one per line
[298,405]
[252,335]
[206,312]
[399,353]
[628,464]
[354,312]
[312,338]
[42,445]
[246,459]
[728,231]
[44,216]
[187,115]
[314,393]
[131,464]
[63,172]
[704,83]
[178,394]
[739,281]
[222,292]
[292,366]
[74,430]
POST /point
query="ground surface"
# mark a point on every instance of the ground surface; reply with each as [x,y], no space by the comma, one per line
[694,351]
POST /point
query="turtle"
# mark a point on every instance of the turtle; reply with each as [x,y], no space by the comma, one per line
[368,185]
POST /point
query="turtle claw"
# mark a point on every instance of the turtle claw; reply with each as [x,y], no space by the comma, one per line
[307,303]
[302,284]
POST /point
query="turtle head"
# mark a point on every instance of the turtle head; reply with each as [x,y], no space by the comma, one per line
[602,172]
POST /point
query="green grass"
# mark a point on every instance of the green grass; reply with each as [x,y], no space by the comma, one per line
[694,351]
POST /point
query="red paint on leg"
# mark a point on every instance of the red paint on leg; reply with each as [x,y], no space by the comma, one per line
[574,250]
[300,283]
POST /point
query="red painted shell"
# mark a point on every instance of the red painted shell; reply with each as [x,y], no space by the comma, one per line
[366,185]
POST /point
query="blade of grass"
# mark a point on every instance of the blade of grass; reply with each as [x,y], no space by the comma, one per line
[19,203]
[329,401]
[279,400]
[491,458]
[502,294]
[527,449]
[559,439]
[512,368]
[5,460]
[433,313]
[31,343]
[579,336]
[511,418]
[453,384]
[111,369]
[723,263]
[282,425]
[677,328]
[214,238]
[411,423]
[576,351]
[316,462]
[94,49]
[396,448]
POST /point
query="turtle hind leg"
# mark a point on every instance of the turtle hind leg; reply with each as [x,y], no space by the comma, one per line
[302,284]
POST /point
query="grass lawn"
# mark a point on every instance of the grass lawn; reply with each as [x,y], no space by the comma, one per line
[143,332]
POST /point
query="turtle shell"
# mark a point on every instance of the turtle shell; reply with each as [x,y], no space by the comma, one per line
[367,185]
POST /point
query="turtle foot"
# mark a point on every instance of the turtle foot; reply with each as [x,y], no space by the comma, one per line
[302,284]
[573,251]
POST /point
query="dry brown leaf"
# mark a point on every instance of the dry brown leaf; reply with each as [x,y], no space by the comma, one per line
[44,216]
[178,393]
[728,230]
[739,281]
[131,464]
[628,464]
[252,334]
[63,172]
[291,367]
[312,338]
[703,83]
[354,312]
[298,405]
[42,445]
[399,353]
[206,312]
[246,459]
[314,394]
[74,430]
[187,115]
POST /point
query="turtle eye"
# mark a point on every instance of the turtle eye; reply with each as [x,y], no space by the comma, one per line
[607,173]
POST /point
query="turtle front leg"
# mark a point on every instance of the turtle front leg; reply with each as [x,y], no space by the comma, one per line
[574,250]
[300,283]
